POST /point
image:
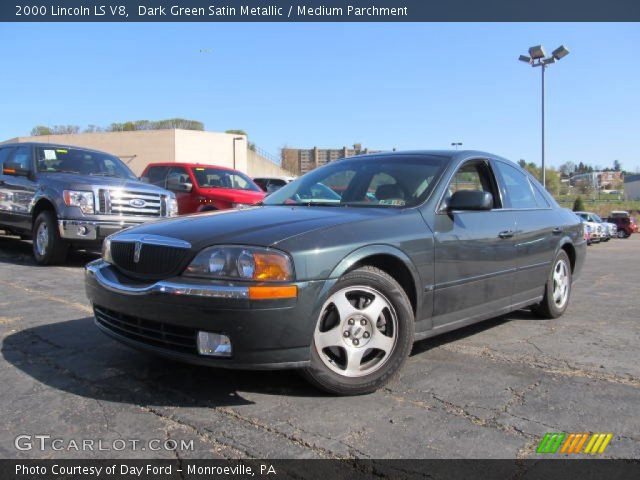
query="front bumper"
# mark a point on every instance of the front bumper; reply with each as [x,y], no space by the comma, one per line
[164,318]
[90,230]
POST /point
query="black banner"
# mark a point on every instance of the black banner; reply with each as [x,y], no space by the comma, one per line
[319,469]
[319,10]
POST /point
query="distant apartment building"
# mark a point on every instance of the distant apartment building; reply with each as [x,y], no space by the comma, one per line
[302,160]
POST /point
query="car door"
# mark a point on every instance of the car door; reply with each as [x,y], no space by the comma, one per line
[475,253]
[18,190]
[537,231]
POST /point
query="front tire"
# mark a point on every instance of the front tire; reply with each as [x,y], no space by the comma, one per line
[557,289]
[48,247]
[364,334]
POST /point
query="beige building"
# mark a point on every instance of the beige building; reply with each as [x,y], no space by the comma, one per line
[302,160]
[139,148]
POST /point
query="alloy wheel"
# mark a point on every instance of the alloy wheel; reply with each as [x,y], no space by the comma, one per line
[357,331]
[42,239]
[560,283]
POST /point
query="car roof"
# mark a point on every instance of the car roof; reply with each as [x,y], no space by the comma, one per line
[52,145]
[189,165]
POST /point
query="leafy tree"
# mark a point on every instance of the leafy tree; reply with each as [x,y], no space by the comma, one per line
[567,168]
[522,163]
[578,205]
[237,132]
[617,166]
[39,130]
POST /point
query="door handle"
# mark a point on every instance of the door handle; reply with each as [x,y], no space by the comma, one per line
[557,230]
[506,234]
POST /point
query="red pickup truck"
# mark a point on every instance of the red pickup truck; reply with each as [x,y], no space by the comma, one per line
[201,188]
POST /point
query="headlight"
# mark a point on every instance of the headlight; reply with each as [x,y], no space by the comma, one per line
[172,207]
[242,263]
[106,250]
[81,199]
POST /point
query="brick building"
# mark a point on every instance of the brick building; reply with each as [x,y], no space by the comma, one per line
[302,160]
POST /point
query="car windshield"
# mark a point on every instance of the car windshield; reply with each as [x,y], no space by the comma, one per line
[220,178]
[84,162]
[393,181]
[596,218]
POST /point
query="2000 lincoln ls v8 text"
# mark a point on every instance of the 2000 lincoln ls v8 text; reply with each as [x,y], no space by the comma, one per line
[340,271]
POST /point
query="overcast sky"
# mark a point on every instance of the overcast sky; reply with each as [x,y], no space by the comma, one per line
[404,86]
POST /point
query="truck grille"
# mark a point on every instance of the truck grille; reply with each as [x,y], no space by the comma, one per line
[154,261]
[157,334]
[131,203]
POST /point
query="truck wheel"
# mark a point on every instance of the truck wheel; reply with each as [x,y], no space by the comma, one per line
[621,234]
[557,290]
[48,247]
[363,336]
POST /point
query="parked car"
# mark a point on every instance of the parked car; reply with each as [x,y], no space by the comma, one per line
[342,290]
[609,229]
[202,188]
[625,224]
[595,230]
[271,184]
[64,196]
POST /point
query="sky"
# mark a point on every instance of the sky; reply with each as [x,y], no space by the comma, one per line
[384,85]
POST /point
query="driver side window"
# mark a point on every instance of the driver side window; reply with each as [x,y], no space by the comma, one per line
[473,175]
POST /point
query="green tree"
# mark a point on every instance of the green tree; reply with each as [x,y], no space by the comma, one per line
[617,166]
[578,204]
[39,130]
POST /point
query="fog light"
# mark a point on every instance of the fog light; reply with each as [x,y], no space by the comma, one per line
[82,231]
[214,344]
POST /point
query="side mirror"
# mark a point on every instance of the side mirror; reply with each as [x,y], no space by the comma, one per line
[16,170]
[174,184]
[470,200]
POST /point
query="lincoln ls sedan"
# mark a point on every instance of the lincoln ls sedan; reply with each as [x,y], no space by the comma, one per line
[411,245]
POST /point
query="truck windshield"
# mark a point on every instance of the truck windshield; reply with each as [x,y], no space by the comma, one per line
[83,162]
[219,178]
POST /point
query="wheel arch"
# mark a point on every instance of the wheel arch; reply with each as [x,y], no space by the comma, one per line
[392,261]
[41,204]
[570,250]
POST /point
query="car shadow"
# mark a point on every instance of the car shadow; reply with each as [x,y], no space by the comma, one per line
[462,333]
[15,251]
[74,356]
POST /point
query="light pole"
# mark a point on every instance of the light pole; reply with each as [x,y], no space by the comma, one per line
[538,58]
[456,144]
[234,150]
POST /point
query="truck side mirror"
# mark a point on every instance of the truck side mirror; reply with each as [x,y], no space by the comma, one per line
[15,169]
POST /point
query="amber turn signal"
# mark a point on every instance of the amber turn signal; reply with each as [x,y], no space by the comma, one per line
[264,292]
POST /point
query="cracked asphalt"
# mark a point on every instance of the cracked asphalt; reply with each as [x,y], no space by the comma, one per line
[487,391]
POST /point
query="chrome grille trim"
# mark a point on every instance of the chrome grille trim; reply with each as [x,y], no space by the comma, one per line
[115,201]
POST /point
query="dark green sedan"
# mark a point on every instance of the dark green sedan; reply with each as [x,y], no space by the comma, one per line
[341,271]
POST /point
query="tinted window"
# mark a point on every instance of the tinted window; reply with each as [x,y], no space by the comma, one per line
[4,154]
[540,199]
[518,187]
[261,182]
[22,157]
[157,176]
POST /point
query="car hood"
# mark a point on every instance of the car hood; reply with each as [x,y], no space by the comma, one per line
[73,181]
[265,225]
[233,195]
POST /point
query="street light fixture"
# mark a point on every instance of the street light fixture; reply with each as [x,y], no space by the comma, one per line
[456,144]
[234,150]
[538,58]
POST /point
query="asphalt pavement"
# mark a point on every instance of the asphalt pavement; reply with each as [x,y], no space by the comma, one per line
[491,390]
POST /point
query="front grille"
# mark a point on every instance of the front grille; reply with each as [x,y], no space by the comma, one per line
[155,261]
[131,203]
[157,334]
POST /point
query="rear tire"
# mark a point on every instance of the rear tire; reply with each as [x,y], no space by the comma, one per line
[557,290]
[363,336]
[48,247]
[622,234]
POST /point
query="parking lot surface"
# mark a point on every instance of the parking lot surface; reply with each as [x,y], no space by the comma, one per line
[488,391]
